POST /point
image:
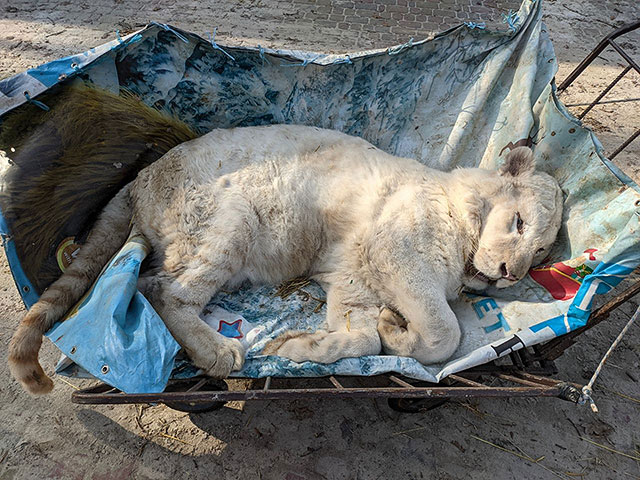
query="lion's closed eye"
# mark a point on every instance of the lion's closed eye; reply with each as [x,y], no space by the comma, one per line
[519,223]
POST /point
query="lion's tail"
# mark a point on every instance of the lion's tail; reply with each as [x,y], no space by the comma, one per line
[108,234]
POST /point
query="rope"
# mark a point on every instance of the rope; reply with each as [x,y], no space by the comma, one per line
[346,59]
[304,62]
[396,50]
[262,57]
[212,40]
[478,25]
[169,29]
[35,102]
[587,389]
[511,18]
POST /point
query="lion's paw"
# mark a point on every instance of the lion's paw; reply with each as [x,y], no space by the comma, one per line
[222,359]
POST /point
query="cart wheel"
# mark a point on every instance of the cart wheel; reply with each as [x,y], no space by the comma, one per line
[196,407]
[417,405]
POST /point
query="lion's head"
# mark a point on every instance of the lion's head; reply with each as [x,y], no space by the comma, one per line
[520,222]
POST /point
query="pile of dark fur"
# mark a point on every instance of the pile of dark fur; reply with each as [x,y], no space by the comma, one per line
[70,161]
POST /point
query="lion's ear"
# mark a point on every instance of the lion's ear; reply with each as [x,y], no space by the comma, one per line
[519,161]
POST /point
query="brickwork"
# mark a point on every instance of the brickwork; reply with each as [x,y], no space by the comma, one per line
[394,21]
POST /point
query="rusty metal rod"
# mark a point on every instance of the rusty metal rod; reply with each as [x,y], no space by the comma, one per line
[198,385]
[624,55]
[635,135]
[556,347]
[604,102]
[594,54]
[466,381]
[614,303]
[335,382]
[551,382]
[604,92]
[521,381]
[400,382]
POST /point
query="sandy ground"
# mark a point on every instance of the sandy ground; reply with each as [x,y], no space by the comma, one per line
[348,439]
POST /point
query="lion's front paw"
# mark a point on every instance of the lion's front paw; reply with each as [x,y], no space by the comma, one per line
[222,359]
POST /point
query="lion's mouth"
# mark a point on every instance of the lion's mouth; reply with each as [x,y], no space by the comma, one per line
[474,273]
[485,278]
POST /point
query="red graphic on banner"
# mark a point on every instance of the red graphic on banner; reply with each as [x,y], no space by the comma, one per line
[563,279]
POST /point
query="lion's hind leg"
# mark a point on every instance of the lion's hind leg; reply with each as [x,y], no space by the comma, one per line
[352,333]
[326,347]
[428,332]
[391,327]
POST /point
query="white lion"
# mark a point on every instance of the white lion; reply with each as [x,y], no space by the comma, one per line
[390,240]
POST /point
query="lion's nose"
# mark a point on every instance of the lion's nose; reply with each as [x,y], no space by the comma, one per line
[506,274]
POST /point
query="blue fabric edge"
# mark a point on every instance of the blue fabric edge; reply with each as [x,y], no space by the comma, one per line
[25,288]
